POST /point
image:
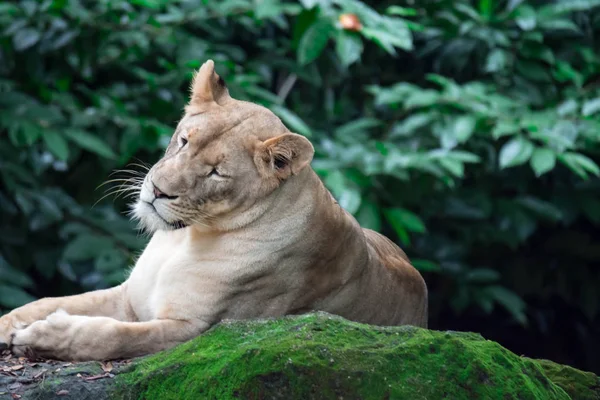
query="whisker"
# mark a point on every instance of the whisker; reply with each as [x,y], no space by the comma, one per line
[128,171]
[125,180]
[144,166]
[133,172]
[142,163]
[100,199]
[128,195]
[125,186]
[196,221]
[129,190]
[123,189]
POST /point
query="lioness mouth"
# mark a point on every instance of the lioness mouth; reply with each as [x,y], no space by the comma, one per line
[174,225]
[177,224]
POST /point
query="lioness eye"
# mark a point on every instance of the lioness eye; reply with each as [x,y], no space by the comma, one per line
[184,141]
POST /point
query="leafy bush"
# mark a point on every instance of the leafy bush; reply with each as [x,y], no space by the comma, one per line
[465,130]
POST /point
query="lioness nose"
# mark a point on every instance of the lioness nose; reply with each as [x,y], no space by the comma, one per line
[160,194]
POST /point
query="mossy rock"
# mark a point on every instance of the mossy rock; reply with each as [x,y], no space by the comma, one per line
[578,384]
[320,356]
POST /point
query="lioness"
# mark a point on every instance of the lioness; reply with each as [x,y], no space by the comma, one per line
[242,228]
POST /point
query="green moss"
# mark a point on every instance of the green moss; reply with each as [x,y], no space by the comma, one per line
[319,356]
[578,384]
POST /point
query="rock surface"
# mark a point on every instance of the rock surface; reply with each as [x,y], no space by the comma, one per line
[313,356]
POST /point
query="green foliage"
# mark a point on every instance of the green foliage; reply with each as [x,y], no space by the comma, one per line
[467,131]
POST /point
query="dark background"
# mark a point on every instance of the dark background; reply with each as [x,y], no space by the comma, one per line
[466,131]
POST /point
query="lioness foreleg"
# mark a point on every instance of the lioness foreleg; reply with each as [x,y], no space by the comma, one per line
[107,302]
[80,338]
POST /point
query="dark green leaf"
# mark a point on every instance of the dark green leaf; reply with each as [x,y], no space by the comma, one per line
[483,275]
[425,265]
[294,122]
[565,72]
[397,225]
[348,47]
[582,161]
[9,274]
[64,39]
[467,10]
[13,297]
[568,107]
[357,126]
[85,247]
[591,207]
[335,182]
[504,128]
[25,38]
[559,24]
[368,216]
[109,260]
[411,124]
[486,8]
[564,7]
[56,144]
[314,40]
[350,199]
[590,107]
[526,17]
[389,40]
[422,98]
[91,143]
[463,127]
[537,51]
[533,70]
[542,160]
[463,156]
[453,166]
[510,301]
[573,165]
[516,152]
[150,3]
[405,218]
[542,208]
[484,301]
[496,61]
[402,11]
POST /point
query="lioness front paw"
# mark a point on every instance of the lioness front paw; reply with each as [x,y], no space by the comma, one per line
[44,338]
[5,332]
[9,324]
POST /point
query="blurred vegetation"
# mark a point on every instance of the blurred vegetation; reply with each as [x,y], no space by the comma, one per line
[467,131]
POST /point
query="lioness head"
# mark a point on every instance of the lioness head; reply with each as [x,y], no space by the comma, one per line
[224,158]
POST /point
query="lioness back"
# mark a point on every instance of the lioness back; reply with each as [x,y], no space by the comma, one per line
[397,264]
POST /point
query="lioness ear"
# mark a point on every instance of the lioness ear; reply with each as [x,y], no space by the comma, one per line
[208,86]
[284,155]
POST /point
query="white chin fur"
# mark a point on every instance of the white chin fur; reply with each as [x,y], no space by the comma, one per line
[148,219]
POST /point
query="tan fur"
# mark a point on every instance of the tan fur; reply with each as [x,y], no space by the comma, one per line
[242,228]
